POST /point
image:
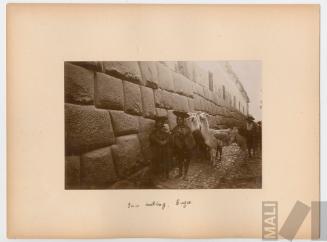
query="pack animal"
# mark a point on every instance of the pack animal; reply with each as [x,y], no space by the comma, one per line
[208,140]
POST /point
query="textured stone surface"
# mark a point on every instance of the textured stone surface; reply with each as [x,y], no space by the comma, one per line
[198,89]
[218,119]
[212,121]
[97,169]
[206,92]
[145,146]
[165,77]
[127,155]
[79,84]
[149,73]
[216,98]
[145,124]
[197,103]
[108,92]
[163,99]
[162,112]
[148,105]
[133,100]
[212,96]
[180,103]
[191,104]
[183,85]
[86,128]
[125,70]
[186,68]
[145,128]
[212,108]
[72,172]
[124,123]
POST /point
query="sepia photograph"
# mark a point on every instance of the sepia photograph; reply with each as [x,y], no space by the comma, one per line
[163,125]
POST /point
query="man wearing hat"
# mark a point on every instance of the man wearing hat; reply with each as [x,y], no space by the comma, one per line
[159,140]
[258,138]
[182,142]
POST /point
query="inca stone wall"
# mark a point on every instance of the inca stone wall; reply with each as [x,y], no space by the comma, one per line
[109,112]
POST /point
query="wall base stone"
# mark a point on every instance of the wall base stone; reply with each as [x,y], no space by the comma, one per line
[97,169]
[127,155]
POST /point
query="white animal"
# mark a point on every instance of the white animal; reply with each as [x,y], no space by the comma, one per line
[213,139]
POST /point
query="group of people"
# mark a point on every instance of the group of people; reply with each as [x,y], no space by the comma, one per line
[169,148]
[177,144]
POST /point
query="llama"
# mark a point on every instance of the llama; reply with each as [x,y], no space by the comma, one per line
[213,140]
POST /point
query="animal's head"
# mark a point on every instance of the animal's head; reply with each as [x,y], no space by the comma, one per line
[203,120]
[193,121]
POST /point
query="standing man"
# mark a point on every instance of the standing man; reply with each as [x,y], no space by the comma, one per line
[159,140]
[259,137]
[183,143]
[250,136]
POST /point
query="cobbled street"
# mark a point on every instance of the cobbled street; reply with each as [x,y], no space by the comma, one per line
[234,171]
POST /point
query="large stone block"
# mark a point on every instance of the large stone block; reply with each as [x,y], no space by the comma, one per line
[165,77]
[198,89]
[127,155]
[149,73]
[204,106]
[144,139]
[97,169]
[86,128]
[72,172]
[163,99]
[148,105]
[212,96]
[206,93]
[124,123]
[212,108]
[108,92]
[133,100]
[191,104]
[219,110]
[182,85]
[212,121]
[79,84]
[145,128]
[145,124]
[186,68]
[125,70]
[215,97]
[180,103]
[197,103]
